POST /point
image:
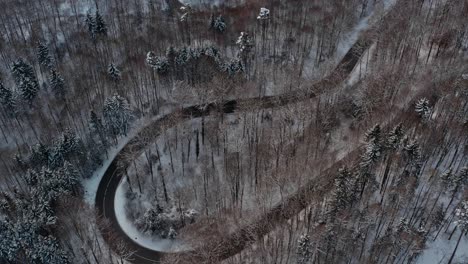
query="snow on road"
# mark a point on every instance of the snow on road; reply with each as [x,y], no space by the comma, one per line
[91,184]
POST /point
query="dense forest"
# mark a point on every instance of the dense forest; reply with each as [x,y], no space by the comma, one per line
[235,131]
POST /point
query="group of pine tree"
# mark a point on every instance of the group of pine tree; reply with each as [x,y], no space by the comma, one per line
[54,169]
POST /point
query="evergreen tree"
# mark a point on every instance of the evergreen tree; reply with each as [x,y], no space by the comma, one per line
[218,23]
[423,109]
[114,72]
[43,55]
[304,249]
[9,245]
[97,128]
[7,100]
[171,54]
[342,193]
[234,67]
[25,79]
[403,225]
[395,137]
[117,115]
[160,64]
[47,250]
[68,177]
[91,23]
[413,154]
[39,155]
[101,27]
[461,178]
[183,56]
[371,155]
[438,217]
[154,222]
[413,151]
[66,147]
[264,14]
[172,234]
[245,44]
[454,181]
[446,178]
[374,134]
[186,11]
[461,214]
[57,84]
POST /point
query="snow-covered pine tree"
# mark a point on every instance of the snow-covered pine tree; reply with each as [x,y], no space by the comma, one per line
[371,155]
[374,134]
[9,244]
[183,56]
[69,177]
[57,84]
[446,178]
[172,234]
[160,64]
[117,115]
[25,79]
[171,54]
[438,216]
[403,225]
[218,24]
[7,100]
[186,10]
[101,27]
[413,151]
[154,222]
[29,89]
[67,146]
[423,109]
[43,55]
[304,249]
[413,154]
[461,214]
[245,43]
[47,250]
[264,14]
[454,181]
[91,23]
[97,129]
[342,193]
[114,72]
[395,137]
[39,155]
[461,179]
[234,67]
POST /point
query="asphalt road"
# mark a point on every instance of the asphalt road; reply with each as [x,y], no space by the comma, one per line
[112,231]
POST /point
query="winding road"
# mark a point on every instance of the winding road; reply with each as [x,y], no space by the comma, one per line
[114,235]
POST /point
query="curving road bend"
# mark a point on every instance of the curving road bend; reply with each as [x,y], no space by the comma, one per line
[116,237]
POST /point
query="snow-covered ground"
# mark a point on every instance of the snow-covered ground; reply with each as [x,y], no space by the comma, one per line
[165,245]
[440,250]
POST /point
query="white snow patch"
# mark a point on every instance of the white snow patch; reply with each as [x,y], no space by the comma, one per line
[165,245]
[439,251]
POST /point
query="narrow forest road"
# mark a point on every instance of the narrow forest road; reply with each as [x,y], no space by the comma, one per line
[104,201]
